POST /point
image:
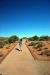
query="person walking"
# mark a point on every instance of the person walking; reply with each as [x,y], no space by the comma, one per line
[20,44]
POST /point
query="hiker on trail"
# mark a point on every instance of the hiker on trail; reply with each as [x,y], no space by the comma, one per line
[20,43]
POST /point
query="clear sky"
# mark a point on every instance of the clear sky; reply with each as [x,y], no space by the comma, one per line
[24,18]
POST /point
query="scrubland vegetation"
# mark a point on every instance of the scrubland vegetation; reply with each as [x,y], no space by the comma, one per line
[7,45]
[41,38]
[39,47]
[8,41]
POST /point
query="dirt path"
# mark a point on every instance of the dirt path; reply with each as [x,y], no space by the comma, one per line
[22,63]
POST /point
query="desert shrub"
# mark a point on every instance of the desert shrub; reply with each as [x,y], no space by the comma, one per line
[46,52]
[39,49]
[39,45]
[41,38]
[1,44]
[35,47]
[40,53]
[44,38]
[26,41]
[32,44]
[12,39]
[45,48]
[35,38]
[6,42]
[30,39]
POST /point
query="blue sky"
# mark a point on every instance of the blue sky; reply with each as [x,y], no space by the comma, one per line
[24,18]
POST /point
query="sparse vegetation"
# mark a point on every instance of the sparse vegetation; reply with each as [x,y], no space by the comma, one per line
[44,38]
[39,45]
[46,52]
[6,45]
[13,38]
[40,49]
[36,44]
[32,44]
[1,44]
[41,38]
[6,42]
[34,38]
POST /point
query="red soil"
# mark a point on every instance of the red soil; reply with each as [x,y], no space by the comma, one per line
[6,50]
[37,54]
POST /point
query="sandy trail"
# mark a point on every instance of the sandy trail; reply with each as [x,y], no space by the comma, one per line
[22,63]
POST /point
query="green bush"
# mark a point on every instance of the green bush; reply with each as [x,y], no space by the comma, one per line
[12,39]
[32,44]
[46,52]
[42,43]
[6,42]
[35,38]
[38,42]
[39,45]
[1,44]
[41,38]
[44,38]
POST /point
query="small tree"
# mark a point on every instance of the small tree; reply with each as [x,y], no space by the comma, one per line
[13,39]
[32,44]
[35,38]
[44,38]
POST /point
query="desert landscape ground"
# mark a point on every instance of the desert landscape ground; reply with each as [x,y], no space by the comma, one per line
[22,63]
[33,59]
[40,50]
[6,45]
[6,50]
